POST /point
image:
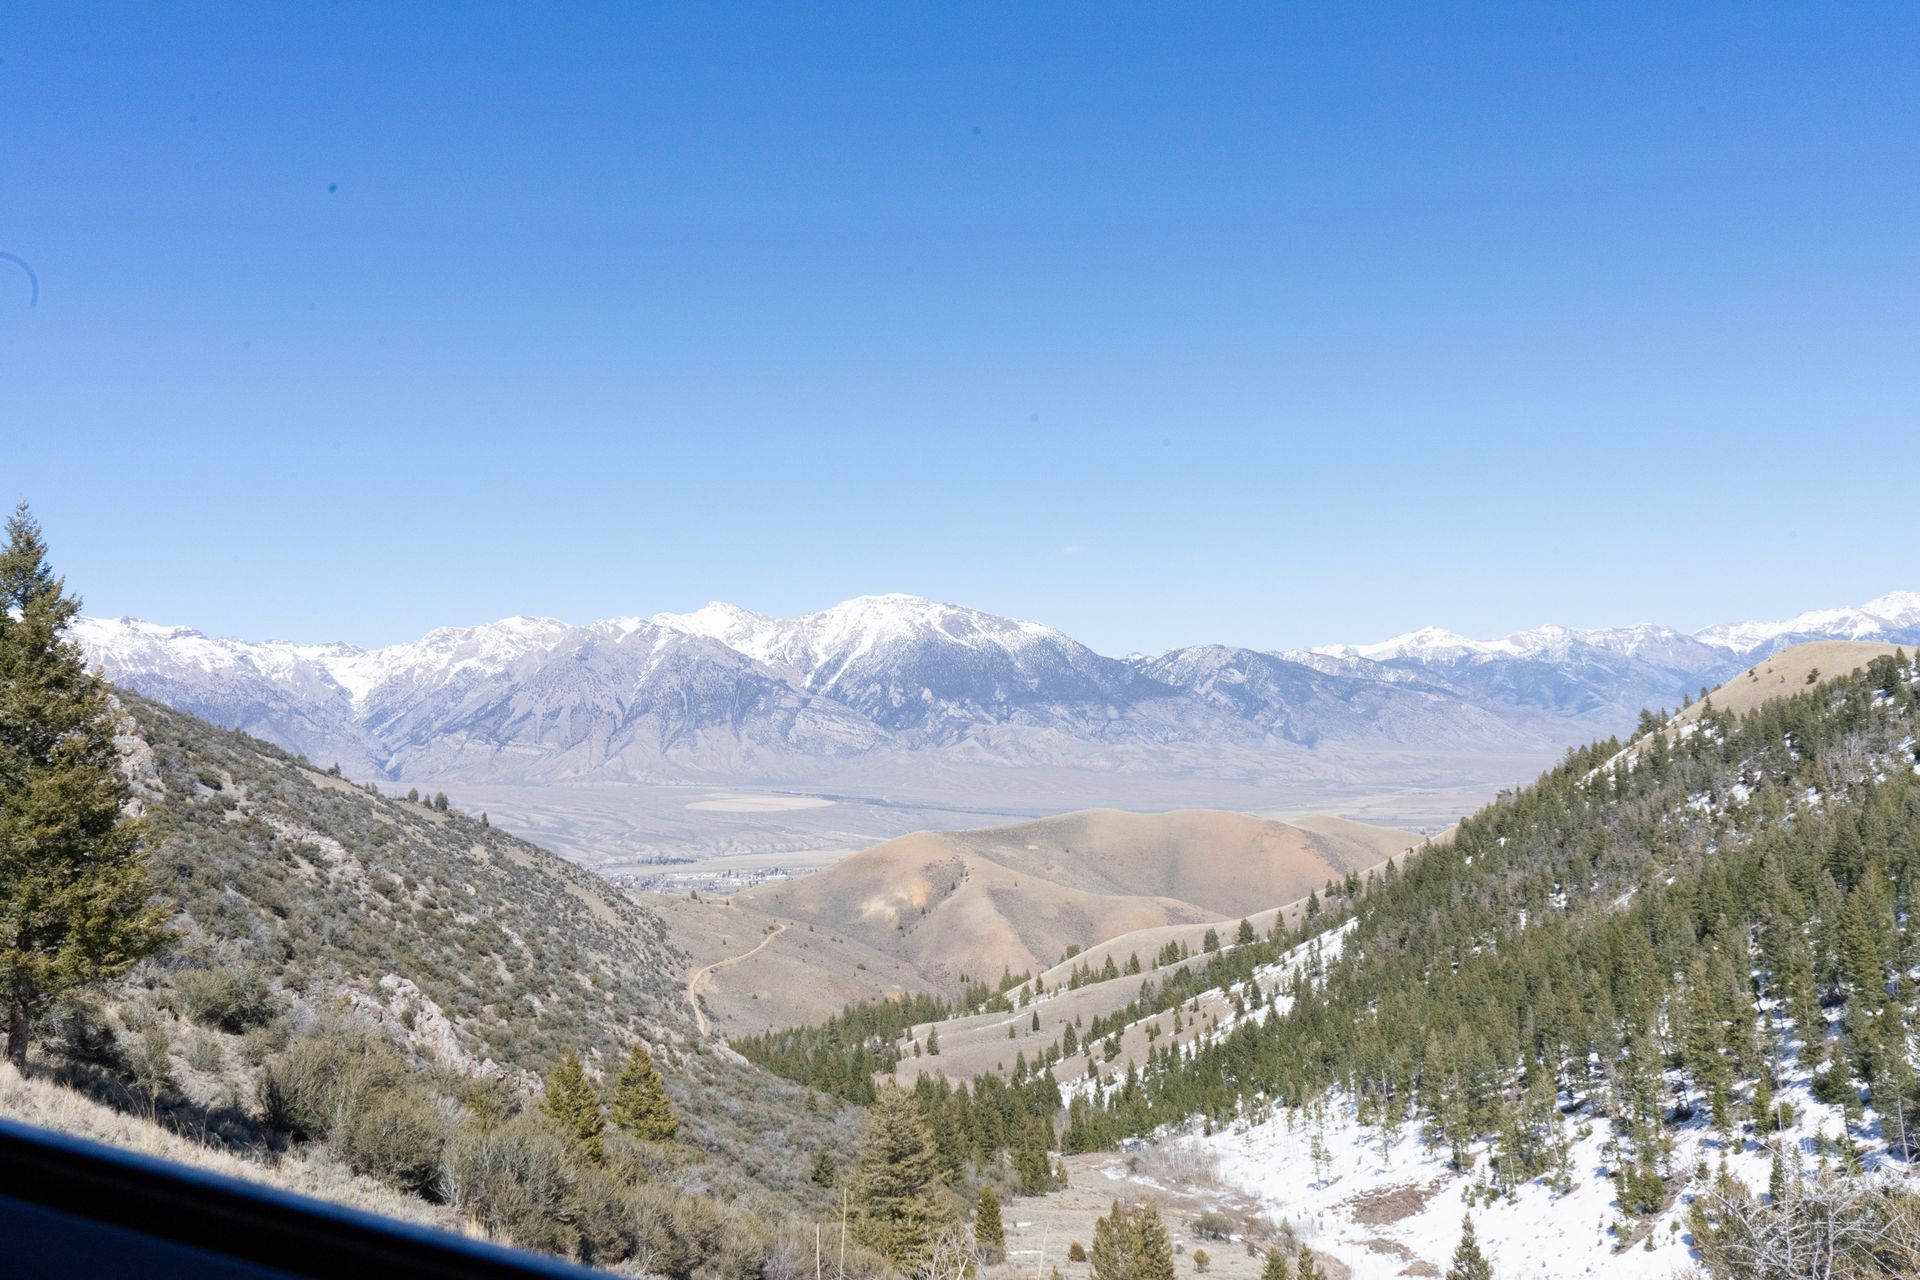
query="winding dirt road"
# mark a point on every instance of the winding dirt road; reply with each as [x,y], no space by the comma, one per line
[701,974]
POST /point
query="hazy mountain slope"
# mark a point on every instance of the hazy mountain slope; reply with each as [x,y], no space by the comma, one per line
[636,703]
[1288,699]
[914,664]
[1892,618]
[909,701]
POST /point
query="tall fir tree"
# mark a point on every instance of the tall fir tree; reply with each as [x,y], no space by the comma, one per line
[639,1104]
[1112,1246]
[1468,1262]
[1030,1159]
[573,1104]
[76,893]
[1277,1266]
[895,1198]
[1152,1246]
[989,1233]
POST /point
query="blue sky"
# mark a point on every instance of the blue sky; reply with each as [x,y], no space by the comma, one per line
[1158,323]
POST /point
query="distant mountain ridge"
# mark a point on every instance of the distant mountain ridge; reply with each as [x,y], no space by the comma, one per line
[724,694]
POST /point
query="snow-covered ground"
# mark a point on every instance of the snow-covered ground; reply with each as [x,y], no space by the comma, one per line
[1382,1214]
[1385,1211]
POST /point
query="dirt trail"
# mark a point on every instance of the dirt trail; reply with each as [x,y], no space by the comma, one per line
[701,974]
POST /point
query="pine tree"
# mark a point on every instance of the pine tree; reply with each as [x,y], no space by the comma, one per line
[1468,1262]
[989,1235]
[573,1104]
[1860,959]
[1030,1158]
[1306,1268]
[1112,1246]
[75,888]
[897,1210]
[823,1174]
[640,1099]
[1277,1267]
[933,1042]
[1151,1246]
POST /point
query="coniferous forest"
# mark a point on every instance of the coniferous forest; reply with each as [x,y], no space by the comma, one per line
[1647,935]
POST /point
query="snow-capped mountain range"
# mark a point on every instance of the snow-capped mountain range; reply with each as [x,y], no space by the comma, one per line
[723,694]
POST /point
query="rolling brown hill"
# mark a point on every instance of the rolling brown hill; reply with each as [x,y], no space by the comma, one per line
[930,910]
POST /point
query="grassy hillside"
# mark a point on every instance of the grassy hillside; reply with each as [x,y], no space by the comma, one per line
[932,910]
[376,986]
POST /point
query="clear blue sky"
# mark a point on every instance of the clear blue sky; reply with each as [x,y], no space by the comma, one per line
[1159,323]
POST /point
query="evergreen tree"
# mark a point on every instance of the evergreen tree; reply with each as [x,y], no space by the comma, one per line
[895,1199]
[1277,1267]
[1152,1248]
[933,1042]
[823,1174]
[1030,1158]
[1112,1246]
[76,893]
[1860,959]
[640,1099]
[1468,1262]
[574,1105]
[989,1235]
[1306,1268]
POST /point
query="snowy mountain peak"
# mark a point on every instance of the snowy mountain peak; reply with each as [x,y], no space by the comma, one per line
[723,691]
[1894,612]
[754,634]
[446,652]
[1897,611]
[1901,608]
[1428,644]
[903,616]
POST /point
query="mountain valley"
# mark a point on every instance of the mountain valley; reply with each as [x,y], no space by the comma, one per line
[606,741]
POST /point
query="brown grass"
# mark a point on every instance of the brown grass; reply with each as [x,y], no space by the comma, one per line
[308,1171]
[1786,673]
[926,910]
